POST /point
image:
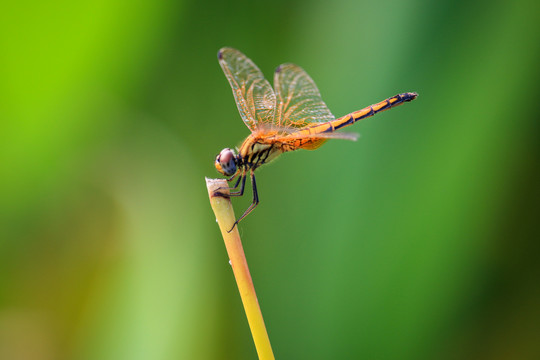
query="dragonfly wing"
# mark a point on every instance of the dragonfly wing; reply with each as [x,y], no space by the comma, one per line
[254,95]
[332,135]
[298,99]
[287,133]
[304,139]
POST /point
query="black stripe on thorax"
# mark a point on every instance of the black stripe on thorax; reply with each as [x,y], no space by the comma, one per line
[257,159]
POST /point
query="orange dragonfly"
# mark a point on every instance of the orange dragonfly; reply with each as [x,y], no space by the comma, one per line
[289,117]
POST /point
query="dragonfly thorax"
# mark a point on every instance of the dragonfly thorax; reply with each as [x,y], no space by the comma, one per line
[226,162]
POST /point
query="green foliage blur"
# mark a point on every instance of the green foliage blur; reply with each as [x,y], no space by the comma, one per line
[418,241]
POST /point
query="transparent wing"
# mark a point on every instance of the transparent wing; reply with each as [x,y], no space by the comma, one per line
[254,95]
[332,135]
[286,133]
[302,139]
[298,99]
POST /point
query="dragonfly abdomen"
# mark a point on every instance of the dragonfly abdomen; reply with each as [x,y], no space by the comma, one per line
[383,105]
[373,109]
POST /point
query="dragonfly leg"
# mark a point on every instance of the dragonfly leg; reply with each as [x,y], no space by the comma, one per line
[237,181]
[241,178]
[242,187]
[253,204]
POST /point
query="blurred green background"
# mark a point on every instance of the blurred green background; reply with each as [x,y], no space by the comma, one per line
[419,241]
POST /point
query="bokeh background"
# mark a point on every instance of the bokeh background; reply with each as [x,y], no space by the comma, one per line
[419,241]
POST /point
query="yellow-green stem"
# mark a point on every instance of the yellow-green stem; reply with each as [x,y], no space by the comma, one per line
[224,212]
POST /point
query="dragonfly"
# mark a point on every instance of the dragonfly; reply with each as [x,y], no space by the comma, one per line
[288,117]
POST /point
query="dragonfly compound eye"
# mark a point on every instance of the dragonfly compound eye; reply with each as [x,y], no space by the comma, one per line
[226,162]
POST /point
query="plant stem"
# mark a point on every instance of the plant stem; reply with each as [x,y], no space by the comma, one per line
[224,212]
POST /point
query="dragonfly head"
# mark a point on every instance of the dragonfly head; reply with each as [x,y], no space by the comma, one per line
[226,162]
